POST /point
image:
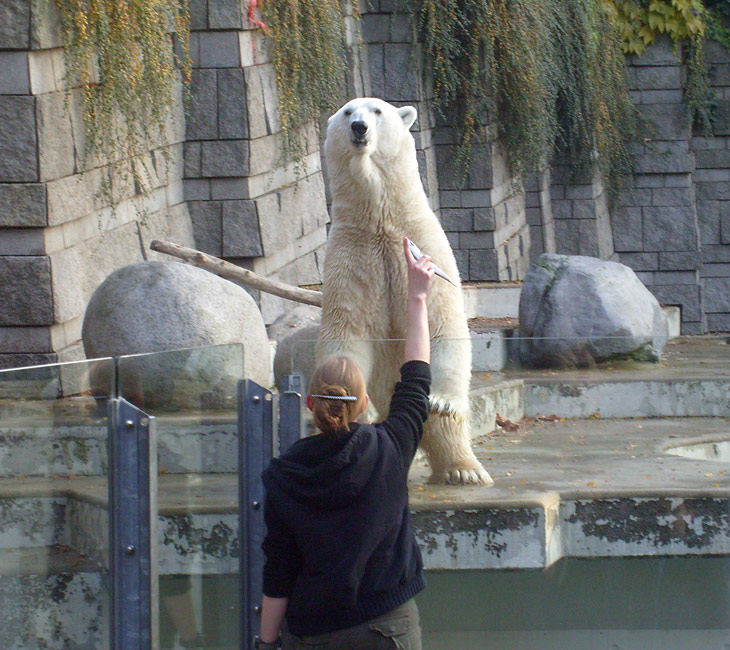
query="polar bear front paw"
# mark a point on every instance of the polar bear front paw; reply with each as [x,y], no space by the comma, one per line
[464,473]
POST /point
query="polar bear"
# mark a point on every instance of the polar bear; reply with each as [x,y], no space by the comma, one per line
[377,199]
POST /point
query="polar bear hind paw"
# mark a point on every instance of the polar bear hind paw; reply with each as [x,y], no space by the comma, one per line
[464,473]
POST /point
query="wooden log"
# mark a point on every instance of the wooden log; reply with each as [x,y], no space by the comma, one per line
[237,274]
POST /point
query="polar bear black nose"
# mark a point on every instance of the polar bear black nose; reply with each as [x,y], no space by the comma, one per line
[359,128]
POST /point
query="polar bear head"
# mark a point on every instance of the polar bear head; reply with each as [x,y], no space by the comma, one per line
[369,127]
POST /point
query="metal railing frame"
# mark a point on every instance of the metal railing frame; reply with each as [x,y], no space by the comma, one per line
[255,450]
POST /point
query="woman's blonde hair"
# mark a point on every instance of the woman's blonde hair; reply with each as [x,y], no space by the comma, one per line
[340,377]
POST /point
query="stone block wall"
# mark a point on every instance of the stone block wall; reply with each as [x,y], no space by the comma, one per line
[222,185]
[247,203]
[484,214]
[539,212]
[655,222]
[712,192]
[666,224]
[58,236]
[579,207]
[393,71]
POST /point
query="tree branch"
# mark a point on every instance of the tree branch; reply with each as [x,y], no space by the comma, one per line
[237,274]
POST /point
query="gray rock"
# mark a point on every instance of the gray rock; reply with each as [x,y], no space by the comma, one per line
[578,310]
[295,332]
[158,306]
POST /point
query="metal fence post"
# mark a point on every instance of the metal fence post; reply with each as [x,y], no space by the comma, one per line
[290,411]
[132,527]
[255,421]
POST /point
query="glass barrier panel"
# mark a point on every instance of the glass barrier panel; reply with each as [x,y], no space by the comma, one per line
[54,554]
[193,395]
[608,520]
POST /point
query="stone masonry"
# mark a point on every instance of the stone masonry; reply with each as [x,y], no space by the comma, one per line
[655,223]
[58,237]
[484,214]
[712,193]
[246,204]
[221,184]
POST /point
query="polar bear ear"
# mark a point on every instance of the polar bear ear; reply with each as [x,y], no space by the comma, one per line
[408,114]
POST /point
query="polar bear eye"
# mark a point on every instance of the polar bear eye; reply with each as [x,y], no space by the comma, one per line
[378,111]
[348,112]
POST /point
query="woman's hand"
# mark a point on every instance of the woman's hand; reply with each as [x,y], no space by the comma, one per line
[420,272]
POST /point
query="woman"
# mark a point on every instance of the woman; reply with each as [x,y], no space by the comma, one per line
[342,563]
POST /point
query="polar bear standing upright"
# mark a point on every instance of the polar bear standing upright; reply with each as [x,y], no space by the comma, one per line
[377,199]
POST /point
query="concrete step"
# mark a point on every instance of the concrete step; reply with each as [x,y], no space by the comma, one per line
[186,444]
[51,598]
[579,489]
[629,399]
[492,299]
[33,517]
[504,398]
[692,380]
[197,523]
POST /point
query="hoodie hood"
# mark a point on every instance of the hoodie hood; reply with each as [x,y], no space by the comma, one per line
[325,471]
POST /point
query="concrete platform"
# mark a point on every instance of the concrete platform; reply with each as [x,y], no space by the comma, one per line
[579,488]
[693,379]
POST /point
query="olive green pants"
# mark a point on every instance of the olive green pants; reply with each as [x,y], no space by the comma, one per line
[399,629]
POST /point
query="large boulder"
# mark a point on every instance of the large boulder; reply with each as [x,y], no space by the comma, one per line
[295,333]
[184,311]
[576,310]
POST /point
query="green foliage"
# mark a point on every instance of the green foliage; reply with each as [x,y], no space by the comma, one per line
[310,56]
[698,93]
[551,71]
[640,22]
[685,22]
[121,54]
[717,22]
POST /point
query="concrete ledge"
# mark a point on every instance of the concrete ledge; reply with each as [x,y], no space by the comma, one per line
[629,399]
[503,398]
[585,488]
[521,536]
[492,300]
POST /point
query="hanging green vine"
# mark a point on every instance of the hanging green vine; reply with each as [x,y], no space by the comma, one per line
[122,54]
[551,72]
[685,23]
[310,55]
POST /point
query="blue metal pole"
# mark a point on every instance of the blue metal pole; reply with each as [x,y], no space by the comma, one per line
[132,527]
[255,421]
[290,411]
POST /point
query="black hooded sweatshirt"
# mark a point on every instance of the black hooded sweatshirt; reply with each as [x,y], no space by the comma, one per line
[339,541]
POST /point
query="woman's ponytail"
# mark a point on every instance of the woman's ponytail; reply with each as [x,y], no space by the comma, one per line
[337,377]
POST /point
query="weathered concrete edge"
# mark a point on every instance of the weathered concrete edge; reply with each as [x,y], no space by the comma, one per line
[535,537]
[695,397]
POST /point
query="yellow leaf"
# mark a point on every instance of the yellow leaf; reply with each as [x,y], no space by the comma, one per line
[591,484]
[656,22]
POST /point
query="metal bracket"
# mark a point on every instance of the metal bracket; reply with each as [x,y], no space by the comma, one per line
[290,411]
[132,527]
[255,421]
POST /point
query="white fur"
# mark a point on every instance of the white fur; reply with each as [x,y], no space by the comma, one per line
[377,199]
